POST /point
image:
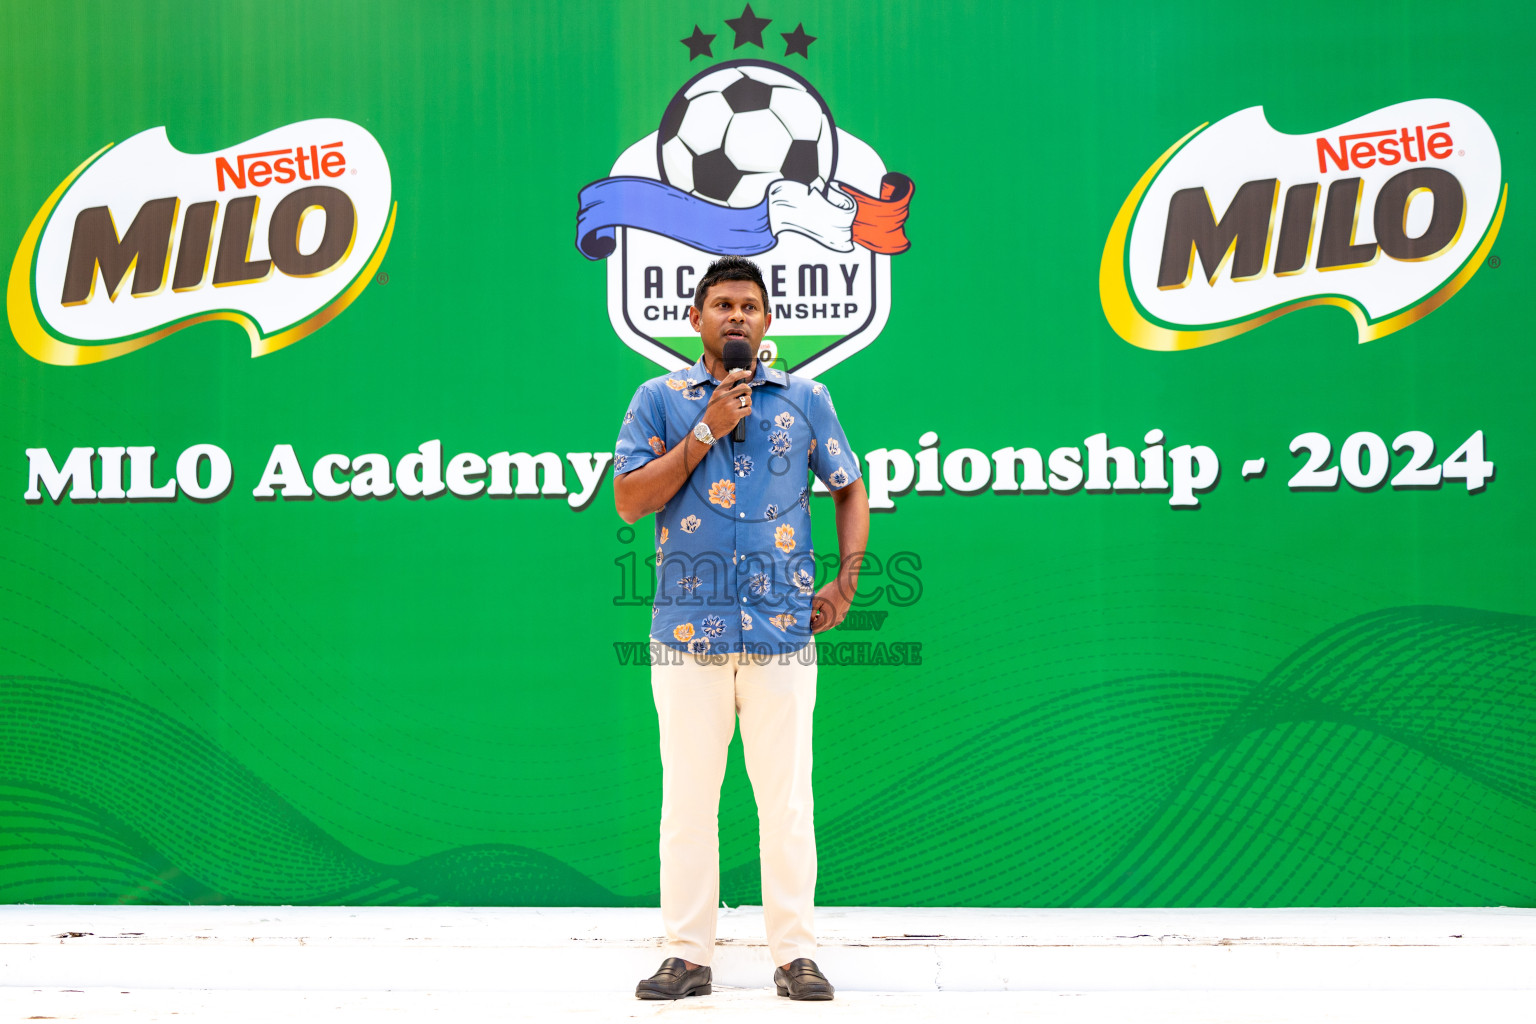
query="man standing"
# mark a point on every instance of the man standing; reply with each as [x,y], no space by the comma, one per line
[736,609]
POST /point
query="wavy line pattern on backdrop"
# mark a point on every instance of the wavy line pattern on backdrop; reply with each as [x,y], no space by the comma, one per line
[104,799]
[1388,761]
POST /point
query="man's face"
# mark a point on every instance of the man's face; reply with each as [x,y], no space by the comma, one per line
[732,309]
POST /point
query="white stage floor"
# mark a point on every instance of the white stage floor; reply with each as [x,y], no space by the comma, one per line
[732,1005]
[237,963]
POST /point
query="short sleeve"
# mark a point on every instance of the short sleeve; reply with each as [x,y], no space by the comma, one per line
[832,458]
[642,435]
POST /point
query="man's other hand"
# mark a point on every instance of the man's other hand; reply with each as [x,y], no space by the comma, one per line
[830,605]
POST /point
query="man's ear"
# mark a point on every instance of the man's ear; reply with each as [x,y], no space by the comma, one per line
[694,316]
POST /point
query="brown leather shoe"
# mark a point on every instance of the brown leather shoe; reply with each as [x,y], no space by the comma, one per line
[673,980]
[803,980]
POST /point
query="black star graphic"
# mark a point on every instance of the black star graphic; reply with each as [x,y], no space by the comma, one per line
[698,44]
[748,28]
[797,42]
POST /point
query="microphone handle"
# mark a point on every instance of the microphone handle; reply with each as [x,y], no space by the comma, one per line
[744,352]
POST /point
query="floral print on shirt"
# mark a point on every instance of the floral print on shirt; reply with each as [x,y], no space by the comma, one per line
[736,567]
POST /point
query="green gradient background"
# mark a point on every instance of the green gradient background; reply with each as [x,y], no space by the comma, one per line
[1281,699]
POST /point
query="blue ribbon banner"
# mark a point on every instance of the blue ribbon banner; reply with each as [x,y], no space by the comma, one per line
[655,206]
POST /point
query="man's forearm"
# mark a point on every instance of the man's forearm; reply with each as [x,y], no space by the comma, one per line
[851,505]
[648,489]
[831,603]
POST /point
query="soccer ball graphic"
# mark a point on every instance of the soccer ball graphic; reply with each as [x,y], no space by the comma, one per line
[737,128]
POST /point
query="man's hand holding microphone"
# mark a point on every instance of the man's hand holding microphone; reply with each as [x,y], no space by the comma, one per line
[730,405]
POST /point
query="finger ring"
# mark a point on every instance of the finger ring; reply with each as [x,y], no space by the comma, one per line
[743,401]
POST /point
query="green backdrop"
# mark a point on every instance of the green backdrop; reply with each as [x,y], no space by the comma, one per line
[1281,698]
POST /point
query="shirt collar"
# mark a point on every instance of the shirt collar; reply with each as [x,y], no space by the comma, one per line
[698,374]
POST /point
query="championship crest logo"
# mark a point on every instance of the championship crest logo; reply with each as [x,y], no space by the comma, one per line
[747,160]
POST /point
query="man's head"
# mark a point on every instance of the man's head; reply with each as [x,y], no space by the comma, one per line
[730,301]
[729,268]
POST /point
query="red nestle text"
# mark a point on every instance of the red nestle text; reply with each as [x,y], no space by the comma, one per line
[1387,147]
[281,166]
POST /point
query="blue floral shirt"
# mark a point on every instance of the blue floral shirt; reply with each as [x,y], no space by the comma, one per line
[734,566]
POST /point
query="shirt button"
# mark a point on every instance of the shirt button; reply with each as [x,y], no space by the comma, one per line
[743,515]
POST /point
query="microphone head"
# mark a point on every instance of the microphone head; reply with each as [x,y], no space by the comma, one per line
[737,355]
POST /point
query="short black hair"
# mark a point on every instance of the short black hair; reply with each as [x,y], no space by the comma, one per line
[729,268]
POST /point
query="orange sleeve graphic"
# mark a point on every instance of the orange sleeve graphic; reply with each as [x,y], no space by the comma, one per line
[880,223]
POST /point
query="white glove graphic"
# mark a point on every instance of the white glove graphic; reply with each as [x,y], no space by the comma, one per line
[826,217]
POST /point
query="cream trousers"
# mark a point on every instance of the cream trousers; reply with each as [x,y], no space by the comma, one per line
[697,704]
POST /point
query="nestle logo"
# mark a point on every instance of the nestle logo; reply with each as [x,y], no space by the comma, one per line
[282,166]
[1388,147]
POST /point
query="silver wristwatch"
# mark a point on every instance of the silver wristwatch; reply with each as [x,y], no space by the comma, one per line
[703,433]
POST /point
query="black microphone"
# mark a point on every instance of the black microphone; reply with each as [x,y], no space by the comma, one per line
[737,355]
